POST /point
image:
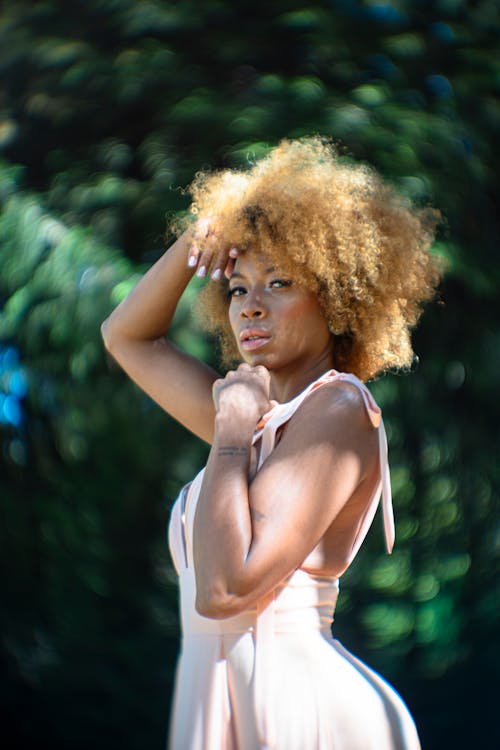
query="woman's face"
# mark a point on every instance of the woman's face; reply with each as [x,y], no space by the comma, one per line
[276,322]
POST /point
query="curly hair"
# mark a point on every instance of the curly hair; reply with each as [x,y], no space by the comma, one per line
[342,232]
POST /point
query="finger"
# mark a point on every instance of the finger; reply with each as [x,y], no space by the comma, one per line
[219,266]
[249,370]
[201,250]
[216,388]
[198,233]
[193,255]
[234,253]
[203,227]
[260,371]
[228,271]
[204,263]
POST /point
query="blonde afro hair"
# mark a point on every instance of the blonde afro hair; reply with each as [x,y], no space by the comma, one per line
[342,232]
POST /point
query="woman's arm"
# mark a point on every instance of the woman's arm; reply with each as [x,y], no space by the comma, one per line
[134,335]
[249,538]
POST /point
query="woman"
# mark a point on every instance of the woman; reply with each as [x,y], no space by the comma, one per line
[318,270]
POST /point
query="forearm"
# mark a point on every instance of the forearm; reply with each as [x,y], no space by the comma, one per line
[147,312]
[222,533]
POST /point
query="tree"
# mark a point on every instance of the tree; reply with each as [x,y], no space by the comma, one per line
[107,110]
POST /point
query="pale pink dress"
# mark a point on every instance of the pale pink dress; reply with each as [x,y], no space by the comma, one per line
[273,677]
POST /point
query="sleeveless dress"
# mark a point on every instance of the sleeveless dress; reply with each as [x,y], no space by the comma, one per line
[273,677]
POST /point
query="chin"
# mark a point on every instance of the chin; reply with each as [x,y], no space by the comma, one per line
[256,358]
[269,361]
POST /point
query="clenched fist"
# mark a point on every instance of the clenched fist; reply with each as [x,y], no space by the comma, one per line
[243,395]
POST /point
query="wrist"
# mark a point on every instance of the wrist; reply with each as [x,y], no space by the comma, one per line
[238,432]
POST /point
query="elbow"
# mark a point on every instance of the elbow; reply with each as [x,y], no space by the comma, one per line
[218,606]
[104,333]
[109,337]
[208,608]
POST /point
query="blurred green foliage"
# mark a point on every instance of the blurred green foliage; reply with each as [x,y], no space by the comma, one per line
[107,109]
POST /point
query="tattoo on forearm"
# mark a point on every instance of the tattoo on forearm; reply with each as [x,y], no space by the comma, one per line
[233,450]
[256,515]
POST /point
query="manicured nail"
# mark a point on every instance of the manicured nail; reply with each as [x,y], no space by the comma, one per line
[233,252]
[217,274]
[201,272]
[192,261]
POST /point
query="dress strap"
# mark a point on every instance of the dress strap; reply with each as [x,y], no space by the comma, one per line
[375,416]
[183,500]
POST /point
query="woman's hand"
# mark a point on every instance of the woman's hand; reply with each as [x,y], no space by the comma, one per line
[213,258]
[243,395]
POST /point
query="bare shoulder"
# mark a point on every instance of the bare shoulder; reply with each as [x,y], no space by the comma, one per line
[335,404]
[330,434]
[331,422]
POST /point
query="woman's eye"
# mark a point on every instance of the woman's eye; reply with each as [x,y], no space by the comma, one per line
[239,291]
[278,283]
[236,291]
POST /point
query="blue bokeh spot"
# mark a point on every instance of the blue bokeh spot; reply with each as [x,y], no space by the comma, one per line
[11,412]
[9,358]
[18,383]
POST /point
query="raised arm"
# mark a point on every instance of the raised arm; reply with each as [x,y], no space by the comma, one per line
[134,334]
[315,484]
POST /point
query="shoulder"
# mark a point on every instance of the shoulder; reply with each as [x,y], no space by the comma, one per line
[330,431]
[334,418]
[334,403]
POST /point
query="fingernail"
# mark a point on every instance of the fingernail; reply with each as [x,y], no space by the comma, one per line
[201,272]
[233,252]
[192,261]
[216,274]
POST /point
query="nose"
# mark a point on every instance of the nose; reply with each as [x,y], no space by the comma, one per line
[253,306]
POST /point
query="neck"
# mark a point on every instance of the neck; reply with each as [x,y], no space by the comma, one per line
[286,383]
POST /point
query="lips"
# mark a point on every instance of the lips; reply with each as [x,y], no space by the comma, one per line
[254,338]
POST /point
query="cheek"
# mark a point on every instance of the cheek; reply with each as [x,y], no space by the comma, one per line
[308,312]
[313,324]
[233,318]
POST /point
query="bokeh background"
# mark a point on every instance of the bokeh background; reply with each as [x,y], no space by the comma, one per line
[107,110]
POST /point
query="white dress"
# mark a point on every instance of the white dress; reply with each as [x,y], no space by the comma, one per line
[273,677]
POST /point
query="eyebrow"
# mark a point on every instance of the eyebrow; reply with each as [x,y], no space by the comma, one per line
[237,275]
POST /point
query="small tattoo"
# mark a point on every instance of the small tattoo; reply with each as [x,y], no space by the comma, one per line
[256,515]
[233,450]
